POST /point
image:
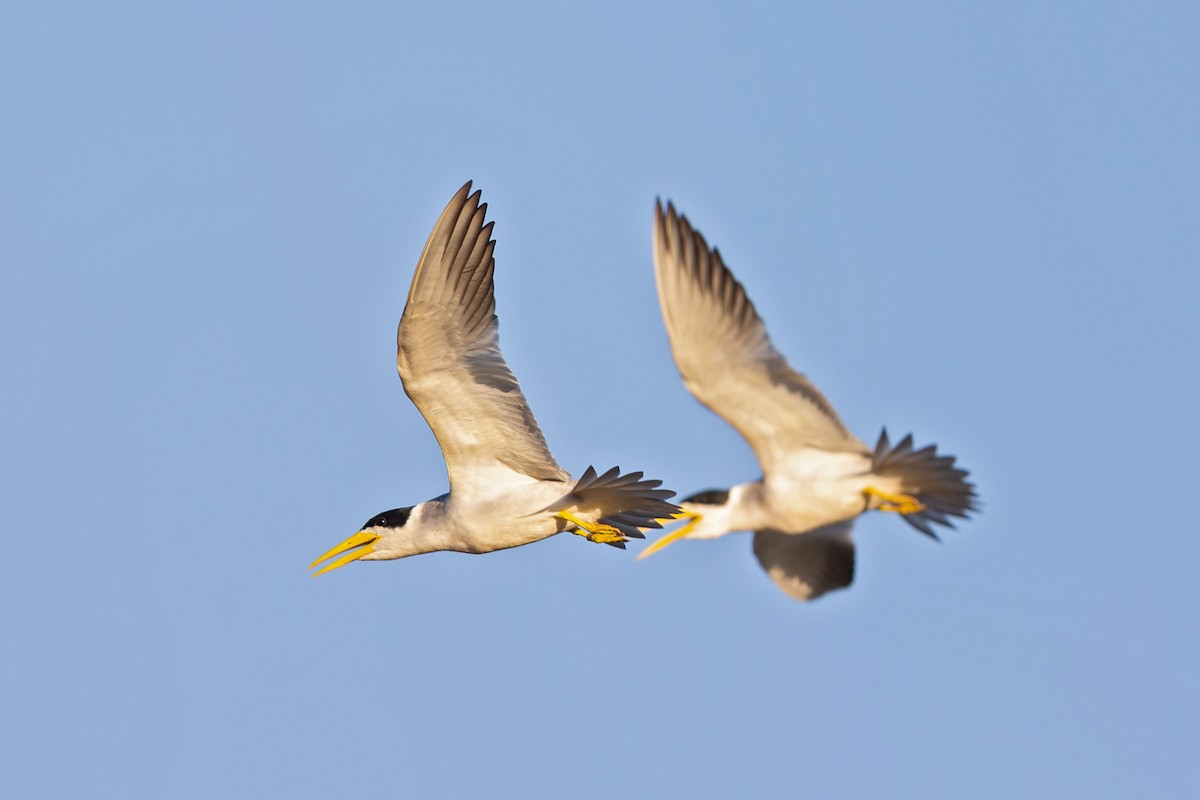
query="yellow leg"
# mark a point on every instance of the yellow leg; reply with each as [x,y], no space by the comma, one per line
[900,503]
[595,531]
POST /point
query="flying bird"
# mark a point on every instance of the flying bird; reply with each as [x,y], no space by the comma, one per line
[506,489]
[817,476]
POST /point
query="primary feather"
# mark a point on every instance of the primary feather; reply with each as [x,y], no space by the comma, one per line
[449,358]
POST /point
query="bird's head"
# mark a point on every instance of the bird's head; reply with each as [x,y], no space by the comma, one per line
[706,514]
[383,536]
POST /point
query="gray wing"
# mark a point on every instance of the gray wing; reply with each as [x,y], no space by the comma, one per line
[726,358]
[449,359]
[807,565]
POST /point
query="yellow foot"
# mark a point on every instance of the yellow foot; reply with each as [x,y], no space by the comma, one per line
[593,531]
[900,503]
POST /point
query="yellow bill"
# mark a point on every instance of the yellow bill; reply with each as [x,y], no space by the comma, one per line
[674,535]
[359,544]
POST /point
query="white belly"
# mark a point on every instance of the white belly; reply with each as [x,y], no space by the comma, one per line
[508,519]
[818,489]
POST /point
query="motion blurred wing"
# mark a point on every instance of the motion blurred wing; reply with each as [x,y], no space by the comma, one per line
[726,358]
[449,358]
[807,565]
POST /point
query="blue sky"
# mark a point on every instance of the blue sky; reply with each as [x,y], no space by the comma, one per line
[980,223]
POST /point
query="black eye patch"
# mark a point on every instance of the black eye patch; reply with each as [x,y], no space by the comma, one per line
[709,497]
[389,519]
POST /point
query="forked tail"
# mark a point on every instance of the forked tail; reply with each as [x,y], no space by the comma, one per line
[624,502]
[932,479]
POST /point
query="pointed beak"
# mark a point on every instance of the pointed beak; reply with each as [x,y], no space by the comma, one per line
[674,535]
[359,544]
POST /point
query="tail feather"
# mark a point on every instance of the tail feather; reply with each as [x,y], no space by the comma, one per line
[932,479]
[626,502]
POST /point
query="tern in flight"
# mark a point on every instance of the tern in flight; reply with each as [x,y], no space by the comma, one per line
[817,476]
[506,489]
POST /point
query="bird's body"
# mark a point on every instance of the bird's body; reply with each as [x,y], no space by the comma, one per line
[506,489]
[517,516]
[817,476]
[786,502]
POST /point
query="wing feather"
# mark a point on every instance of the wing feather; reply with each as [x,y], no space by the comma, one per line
[448,356]
[726,358]
[807,565]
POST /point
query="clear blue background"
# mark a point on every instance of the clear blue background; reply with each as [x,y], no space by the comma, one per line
[979,222]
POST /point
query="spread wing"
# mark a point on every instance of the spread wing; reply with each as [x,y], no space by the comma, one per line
[807,565]
[449,358]
[726,358]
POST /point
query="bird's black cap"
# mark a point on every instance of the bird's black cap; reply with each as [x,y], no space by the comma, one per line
[389,519]
[709,497]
